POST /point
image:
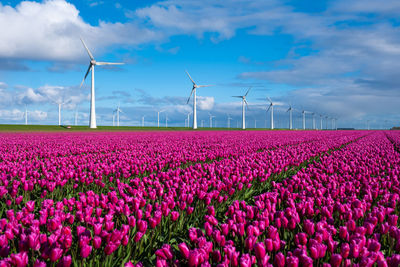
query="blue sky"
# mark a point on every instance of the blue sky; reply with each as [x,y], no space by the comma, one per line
[329,57]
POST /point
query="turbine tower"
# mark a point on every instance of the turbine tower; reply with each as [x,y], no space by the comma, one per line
[304,119]
[229,121]
[59,103]
[290,109]
[158,117]
[320,116]
[326,122]
[244,101]
[118,110]
[195,86]
[271,106]
[143,121]
[211,117]
[93,62]
[188,118]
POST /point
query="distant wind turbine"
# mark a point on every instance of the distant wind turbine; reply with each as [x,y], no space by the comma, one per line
[158,117]
[229,121]
[320,116]
[188,118]
[93,62]
[60,103]
[290,109]
[271,107]
[244,102]
[166,120]
[118,110]
[143,121]
[211,117]
[195,86]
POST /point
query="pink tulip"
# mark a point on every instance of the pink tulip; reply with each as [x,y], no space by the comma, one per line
[85,251]
[55,254]
[183,248]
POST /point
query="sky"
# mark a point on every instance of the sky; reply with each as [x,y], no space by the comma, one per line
[333,58]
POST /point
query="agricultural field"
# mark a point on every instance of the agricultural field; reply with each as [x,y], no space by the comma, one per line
[209,198]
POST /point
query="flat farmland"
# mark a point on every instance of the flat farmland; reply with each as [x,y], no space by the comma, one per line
[208,198]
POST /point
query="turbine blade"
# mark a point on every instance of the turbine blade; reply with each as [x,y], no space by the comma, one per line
[190,77]
[288,110]
[87,72]
[109,63]
[190,96]
[198,86]
[247,91]
[238,96]
[269,99]
[268,108]
[247,105]
[87,49]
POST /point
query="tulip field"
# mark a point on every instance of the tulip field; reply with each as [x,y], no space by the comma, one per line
[209,198]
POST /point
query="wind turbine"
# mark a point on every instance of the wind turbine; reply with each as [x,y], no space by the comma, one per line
[271,106]
[243,97]
[92,63]
[229,121]
[118,110]
[143,121]
[166,120]
[59,103]
[195,86]
[304,119]
[211,117]
[158,117]
[326,122]
[320,116]
[188,118]
[290,109]
[202,123]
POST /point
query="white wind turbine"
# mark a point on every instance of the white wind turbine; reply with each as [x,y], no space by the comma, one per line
[143,121]
[326,122]
[60,104]
[271,107]
[320,116]
[195,86]
[118,110]
[188,118]
[244,101]
[229,121]
[290,109]
[158,117]
[166,120]
[211,117]
[93,62]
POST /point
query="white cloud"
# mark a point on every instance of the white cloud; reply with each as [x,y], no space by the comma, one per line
[50,30]
[205,102]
